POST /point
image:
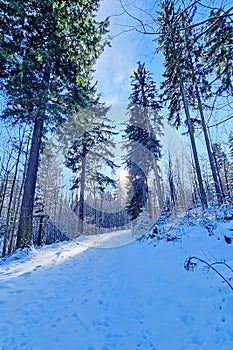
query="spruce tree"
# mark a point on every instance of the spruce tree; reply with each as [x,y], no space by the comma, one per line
[219,50]
[178,81]
[48,48]
[193,74]
[88,154]
[142,132]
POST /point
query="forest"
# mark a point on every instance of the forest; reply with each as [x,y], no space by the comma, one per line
[68,169]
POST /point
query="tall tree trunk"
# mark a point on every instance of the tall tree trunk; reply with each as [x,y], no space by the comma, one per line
[154,160]
[24,233]
[193,145]
[82,191]
[206,136]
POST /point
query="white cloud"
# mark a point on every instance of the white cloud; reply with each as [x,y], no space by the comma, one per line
[114,68]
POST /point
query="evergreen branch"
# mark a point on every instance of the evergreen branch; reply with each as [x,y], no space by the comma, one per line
[216,18]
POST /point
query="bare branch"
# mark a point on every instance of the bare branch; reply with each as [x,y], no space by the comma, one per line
[221,122]
[222,263]
[141,23]
[189,264]
[143,27]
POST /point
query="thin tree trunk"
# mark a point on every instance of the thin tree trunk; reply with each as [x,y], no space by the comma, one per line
[209,151]
[7,229]
[14,224]
[206,136]
[226,176]
[154,161]
[4,183]
[219,175]
[171,182]
[39,237]
[194,184]
[193,145]
[3,190]
[82,191]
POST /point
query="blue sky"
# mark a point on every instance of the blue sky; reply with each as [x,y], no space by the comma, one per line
[118,62]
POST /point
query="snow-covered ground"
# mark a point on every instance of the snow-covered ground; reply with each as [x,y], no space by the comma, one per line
[79,296]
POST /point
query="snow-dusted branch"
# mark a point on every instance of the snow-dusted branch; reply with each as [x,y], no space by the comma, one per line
[190,265]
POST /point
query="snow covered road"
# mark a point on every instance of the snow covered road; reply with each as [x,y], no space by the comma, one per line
[71,296]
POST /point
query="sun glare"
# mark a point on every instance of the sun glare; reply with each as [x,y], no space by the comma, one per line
[123,175]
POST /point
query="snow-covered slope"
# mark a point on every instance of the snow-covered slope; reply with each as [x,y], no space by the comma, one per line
[77,296]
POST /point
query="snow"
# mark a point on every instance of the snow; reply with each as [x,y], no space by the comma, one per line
[130,295]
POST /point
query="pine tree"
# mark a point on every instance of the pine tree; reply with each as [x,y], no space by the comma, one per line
[142,132]
[48,48]
[86,156]
[200,88]
[219,50]
[178,77]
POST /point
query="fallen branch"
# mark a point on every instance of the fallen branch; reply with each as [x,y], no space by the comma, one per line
[190,265]
[222,263]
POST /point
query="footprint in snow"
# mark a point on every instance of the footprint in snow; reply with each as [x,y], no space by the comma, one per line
[102,323]
[19,291]
[58,254]
[37,267]
[187,320]
[26,274]
[139,317]
[197,341]
[75,316]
